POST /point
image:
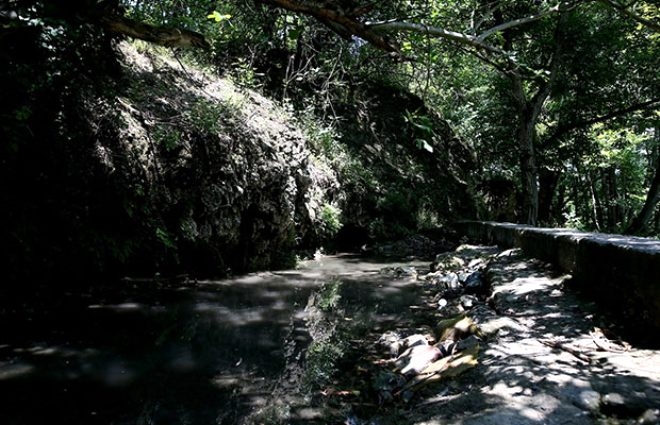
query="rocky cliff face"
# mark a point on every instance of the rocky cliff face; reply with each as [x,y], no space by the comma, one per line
[166,169]
[227,171]
[156,167]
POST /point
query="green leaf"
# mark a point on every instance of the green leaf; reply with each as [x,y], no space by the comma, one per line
[295,33]
[426,128]
[219,17]
[164,237]
[423,144]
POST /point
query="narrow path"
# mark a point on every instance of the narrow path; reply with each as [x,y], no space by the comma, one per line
[545,360]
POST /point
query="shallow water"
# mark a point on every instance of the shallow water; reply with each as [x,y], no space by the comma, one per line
[206,352]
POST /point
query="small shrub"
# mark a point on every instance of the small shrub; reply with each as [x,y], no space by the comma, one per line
[330,221]
[329,296]
[321,362]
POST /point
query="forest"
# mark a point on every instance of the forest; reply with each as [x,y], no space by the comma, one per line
[421,113]
[330,211]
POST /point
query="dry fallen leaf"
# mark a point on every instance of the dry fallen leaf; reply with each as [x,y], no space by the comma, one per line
[447,367]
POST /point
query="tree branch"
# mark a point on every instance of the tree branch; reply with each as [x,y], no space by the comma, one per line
[169,37]
[565,129]
[346,24]
[526,20]
[499,67]
[545,85]
[373,32]
[438,32]
[629,13]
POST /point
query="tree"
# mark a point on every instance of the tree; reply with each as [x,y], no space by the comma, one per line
[530,46]
[641,220]
[108,14]
[502,35]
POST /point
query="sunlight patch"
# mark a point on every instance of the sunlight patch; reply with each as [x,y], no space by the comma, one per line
[12,371]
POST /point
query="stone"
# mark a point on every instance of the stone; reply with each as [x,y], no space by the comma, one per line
[462,276]
[588,400]
[417,358]
[476,263]
[468,301]
[650,416]
[475,284]
[415,339]
[447,262]
[616,404]
[391,343]
[450,281]
[467,343]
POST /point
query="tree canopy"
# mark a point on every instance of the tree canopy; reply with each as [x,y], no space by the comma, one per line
[558,98]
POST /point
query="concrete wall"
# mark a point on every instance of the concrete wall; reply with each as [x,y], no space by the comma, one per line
[621,273]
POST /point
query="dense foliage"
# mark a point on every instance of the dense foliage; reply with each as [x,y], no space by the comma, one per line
[552,82]
[544,112]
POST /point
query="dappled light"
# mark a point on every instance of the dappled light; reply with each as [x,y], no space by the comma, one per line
[15,370]
[312,212]
[212,337]
[542,367]
[282,344]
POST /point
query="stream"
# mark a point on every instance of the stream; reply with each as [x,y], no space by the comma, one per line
[187,352]
[331,342]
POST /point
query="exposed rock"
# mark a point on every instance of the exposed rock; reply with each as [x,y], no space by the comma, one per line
[588,400]
[394,344]
[228,171]
[468,301]
[415,246]
[391,343]
[650,416]
[475,284]
[468,343]
[400,272]
[447,262]
[417,358]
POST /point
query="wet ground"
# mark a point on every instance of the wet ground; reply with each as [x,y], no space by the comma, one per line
[299,346]
[206,352]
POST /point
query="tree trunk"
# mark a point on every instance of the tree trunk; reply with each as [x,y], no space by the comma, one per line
[528,113]
[558,212]
[641,220]
[529,173]
[596,206]
[548,180]
[529,109]
[577,183]
[613,210]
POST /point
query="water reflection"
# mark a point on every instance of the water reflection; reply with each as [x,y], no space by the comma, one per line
[206,353]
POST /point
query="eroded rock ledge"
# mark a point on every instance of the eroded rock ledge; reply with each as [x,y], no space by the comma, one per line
[621,273]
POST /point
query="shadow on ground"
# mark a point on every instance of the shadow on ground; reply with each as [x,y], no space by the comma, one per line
[540,362]
[234,352]
[205,352]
